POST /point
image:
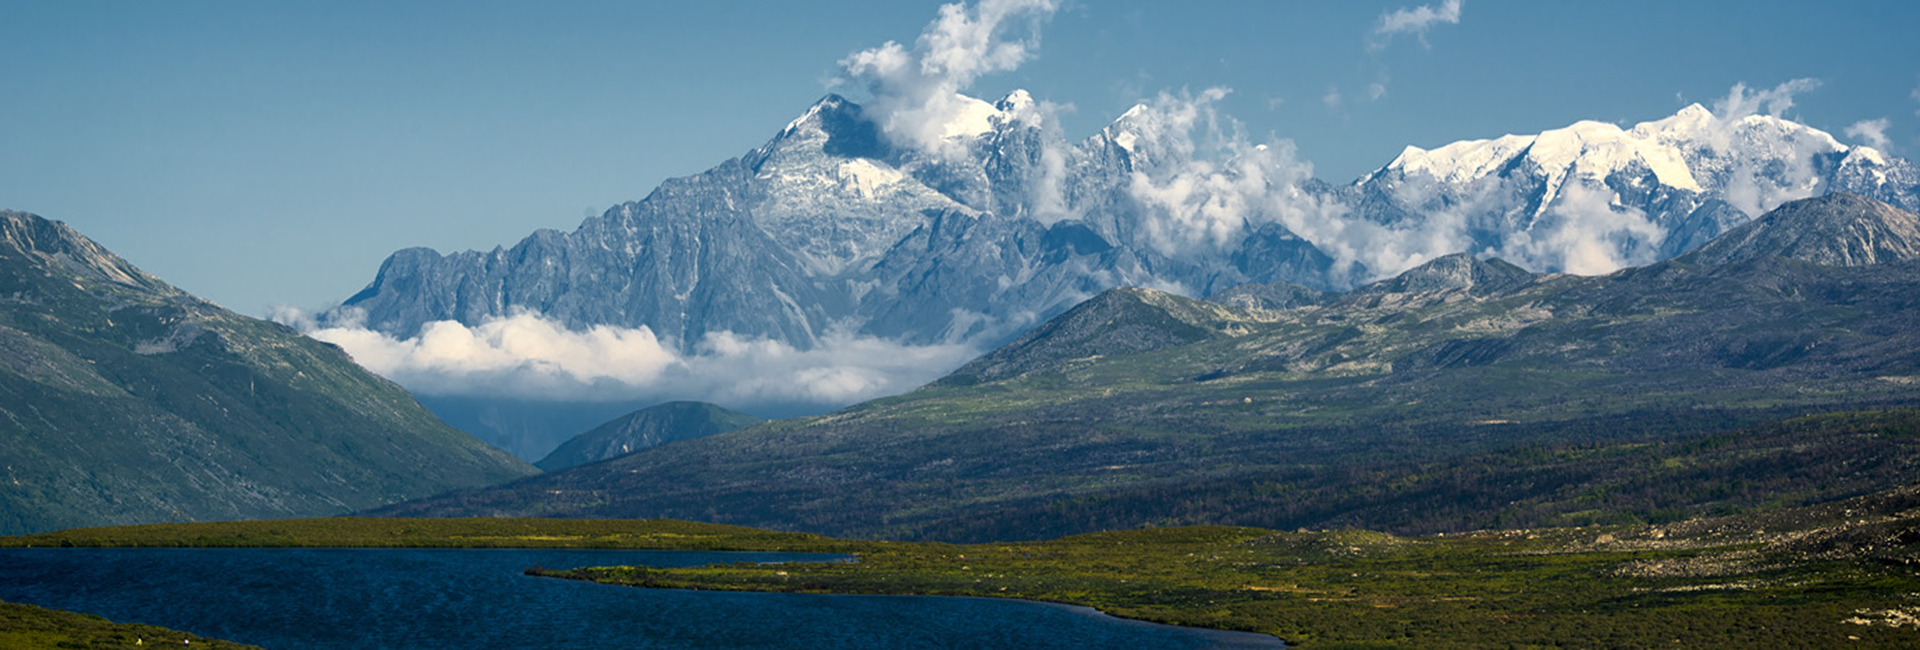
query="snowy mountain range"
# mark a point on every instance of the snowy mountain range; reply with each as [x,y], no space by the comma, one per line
[830,227]
[1593,196]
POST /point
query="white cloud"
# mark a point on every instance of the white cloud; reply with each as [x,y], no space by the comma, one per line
[1198,179]
[1045,183]
[1872,132]
[1332,99]
[1916,97]
[1376,90]
[916,93]
[1049,187]
[1365,250]
[528,356]
[1413,20]
[1202,185]
[843,369]
[1767,166]
[1587,232]
[1775,102]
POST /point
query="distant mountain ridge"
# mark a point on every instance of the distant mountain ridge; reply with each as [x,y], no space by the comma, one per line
[1119,321]
[1460,395]
[1838,229]
[125,400]
[1459,271]
[828,225]
[648,427]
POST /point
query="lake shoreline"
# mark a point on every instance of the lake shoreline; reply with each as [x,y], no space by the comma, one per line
[1237,639]
[459,599]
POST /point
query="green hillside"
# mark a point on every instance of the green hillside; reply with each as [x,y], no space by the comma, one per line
[124,400]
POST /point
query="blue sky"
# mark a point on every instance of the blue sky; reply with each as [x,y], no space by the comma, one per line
[261,153]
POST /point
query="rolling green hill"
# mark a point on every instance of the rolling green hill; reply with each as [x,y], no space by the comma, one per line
[1461,395]
[125,400]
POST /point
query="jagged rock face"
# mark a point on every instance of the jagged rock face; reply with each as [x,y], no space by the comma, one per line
[688,258]
[830,226]
[1832,230]
[124,400]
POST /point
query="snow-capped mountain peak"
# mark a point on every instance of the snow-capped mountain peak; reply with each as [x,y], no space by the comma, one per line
[1459,162]
[1124,131]
[1017,109]
[1587,150]
[975,117]
[812,120]
[1597,150]
[1690,120]
[1692,150]
[1867,155]
[1018,100]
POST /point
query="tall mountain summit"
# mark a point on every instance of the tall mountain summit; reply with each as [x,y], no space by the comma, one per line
[124,400]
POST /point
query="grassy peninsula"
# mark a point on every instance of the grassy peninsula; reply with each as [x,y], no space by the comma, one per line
[26,627]
[1352,589]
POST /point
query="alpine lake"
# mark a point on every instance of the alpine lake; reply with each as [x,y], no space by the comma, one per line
[433,599]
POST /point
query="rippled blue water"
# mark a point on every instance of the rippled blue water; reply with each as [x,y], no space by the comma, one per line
[368,599]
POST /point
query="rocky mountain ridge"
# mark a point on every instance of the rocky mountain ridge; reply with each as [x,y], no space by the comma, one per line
[1839,229]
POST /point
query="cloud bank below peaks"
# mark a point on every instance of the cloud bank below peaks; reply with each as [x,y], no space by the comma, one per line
[528,356]
[1588,232]
[915,94]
